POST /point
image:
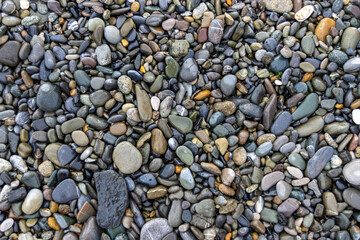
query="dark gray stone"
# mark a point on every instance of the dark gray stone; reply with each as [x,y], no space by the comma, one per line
[112,198]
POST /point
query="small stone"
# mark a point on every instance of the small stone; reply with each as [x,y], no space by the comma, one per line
[215,31]
[103,55]
[304,13]
[280,6]
[182,124]
[179,48]
[143,102]
[283,190]
[5,165]
[288,207]
[189,70]
[6,224]
[186,179]
[227,84]
[80,138]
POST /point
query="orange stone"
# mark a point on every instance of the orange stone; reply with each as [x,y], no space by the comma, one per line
[226,190]
[339,106]
[85,212]
[118,129]
[323,28]
[228,236]
[125,42]
[229,2]
[202,95]
[135,6]
[53,224]
[355,104]
[53,206]
[178,169]
[307,77]
[142,69]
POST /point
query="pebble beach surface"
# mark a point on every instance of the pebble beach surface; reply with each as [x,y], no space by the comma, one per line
[179,119]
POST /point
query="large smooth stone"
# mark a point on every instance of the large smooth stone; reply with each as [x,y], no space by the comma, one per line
[307,107]
[9,53]
[350,38]
[189,70]
[352,197]
[351,172]
[289,206]
[155,229]
[32,202]
[127,157]
[66,191]
[323,28]
[281,123]
[182,124]
[227,84]
[317,163]
[112,198]
[48,97]
[313,125]
[271,179]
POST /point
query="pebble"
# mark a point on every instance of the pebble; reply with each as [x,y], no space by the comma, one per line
[351,172]
[32,201]
[155,229]
[127,158]
[317,163]
[179,119]
[65,191]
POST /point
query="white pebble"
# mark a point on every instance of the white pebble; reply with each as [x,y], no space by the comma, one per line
[6,225]
[356,116]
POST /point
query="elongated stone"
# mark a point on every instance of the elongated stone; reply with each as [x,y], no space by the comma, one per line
[336,128]
[307,107]
[143,103]
[271,179]
[313,125]
[281,123]
[112,198]
[317,163]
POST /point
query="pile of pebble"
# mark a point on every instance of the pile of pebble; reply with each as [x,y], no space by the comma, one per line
[179,119]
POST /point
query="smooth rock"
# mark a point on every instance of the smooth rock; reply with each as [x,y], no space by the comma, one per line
[32,201]
[317,163]
[127,158]
[155,229]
